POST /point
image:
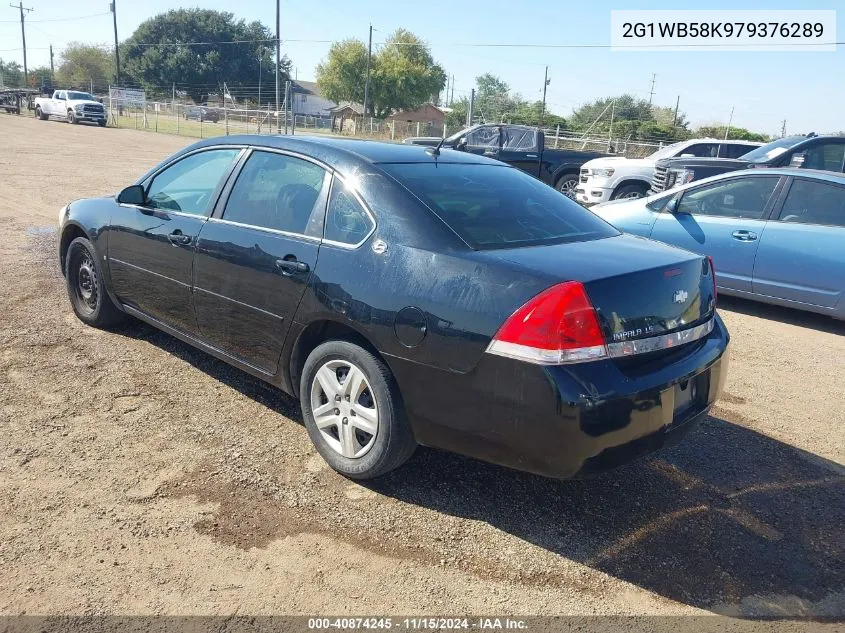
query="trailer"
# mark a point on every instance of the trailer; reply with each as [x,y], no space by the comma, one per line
[12,100]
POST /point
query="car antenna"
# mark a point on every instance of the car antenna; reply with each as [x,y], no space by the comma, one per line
[435,151]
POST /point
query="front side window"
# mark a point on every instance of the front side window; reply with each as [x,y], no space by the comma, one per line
[703,150]
[813,202]
[736,198]
[278,192]
[189,184]
[483,137]
[492,206]
[346,220]
[735,150]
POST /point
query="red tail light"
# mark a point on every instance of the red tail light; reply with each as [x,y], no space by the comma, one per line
[713,274]
[557,326]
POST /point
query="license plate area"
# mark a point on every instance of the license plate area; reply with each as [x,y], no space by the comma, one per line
[691,395]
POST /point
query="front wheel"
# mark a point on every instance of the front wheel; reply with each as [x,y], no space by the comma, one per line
[353,411]
[629,192]
[39,114]
[567,184]
[71,118]
[102,123]
[86,287]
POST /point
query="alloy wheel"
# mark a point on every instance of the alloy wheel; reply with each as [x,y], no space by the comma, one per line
[344,409]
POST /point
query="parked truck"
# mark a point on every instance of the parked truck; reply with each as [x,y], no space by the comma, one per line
[616,177]
[72,106]
[521,146]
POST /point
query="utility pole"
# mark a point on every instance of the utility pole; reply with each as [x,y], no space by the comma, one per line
[546,82]
[675,118]
[259,78]
[471,105]
[651,94]
[278,61]
[730,120]
[23,37]
[52,79]
[452,98]
[610,132]
[113,8]
[783,129]
[367,83]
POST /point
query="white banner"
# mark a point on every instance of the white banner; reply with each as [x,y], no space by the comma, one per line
[127,97]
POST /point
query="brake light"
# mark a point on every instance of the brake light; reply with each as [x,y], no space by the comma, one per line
[713,275]
[558,326]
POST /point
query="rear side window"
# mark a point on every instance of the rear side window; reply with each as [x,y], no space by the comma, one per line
[498,207]
[735,198]
[346,220]
[703,150]
[278,192]
[813,202]
[735,150]
[828,156]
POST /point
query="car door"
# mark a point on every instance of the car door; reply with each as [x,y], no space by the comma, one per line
[57,105]
[802,252]
[520,148]
[256,254]
[724,220]
[151,246]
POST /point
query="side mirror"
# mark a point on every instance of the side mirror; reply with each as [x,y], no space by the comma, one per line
[461,145]
[672,205]
[133,194]
[797,159]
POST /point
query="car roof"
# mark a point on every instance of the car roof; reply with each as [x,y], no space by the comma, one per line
[346,152]
[814,174]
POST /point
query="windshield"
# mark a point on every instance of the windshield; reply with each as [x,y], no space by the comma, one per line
[80,96]
[491,206]
[775,148]
[451,140]
[666,152]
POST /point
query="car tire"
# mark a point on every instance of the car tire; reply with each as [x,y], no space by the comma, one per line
[566,184]
[629,192]
[86,286]
[332,414]
[101,123]
[39,114]
[71,118]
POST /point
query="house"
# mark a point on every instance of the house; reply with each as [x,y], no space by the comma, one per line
[427,114]
[308,100]
[344,115]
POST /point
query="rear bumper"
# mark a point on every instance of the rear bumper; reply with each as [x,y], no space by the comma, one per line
[570,420]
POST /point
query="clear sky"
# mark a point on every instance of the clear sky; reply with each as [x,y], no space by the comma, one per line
[805,88]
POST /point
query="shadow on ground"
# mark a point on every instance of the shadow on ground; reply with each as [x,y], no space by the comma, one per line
[790,316]
[729,520]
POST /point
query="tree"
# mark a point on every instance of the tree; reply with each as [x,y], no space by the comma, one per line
[40,76]
[736,133]
[83,64]
[666,116]
[625,108]
[403,74]
[342,76]
[11,74]
[492,98]
[200,49]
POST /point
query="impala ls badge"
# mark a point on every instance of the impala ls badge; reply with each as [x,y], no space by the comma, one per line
[680,296]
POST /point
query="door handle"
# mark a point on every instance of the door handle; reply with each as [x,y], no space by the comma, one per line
[531,156]
[291,266]
[744,236]
[178,238]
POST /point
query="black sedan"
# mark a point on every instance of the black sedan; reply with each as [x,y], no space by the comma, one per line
[408,296]
[202,113]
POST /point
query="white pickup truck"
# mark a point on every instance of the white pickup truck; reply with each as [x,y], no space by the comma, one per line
[71,105]
[615,177]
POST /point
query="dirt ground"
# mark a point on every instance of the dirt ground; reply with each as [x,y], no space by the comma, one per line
[140,476]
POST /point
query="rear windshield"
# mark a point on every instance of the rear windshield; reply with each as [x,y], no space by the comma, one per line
[492,206]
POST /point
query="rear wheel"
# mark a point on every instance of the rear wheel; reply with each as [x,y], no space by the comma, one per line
[567,184]
[86,288]
[353,411]
[629,192]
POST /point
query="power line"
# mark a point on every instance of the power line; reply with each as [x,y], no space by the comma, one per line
[79,17]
